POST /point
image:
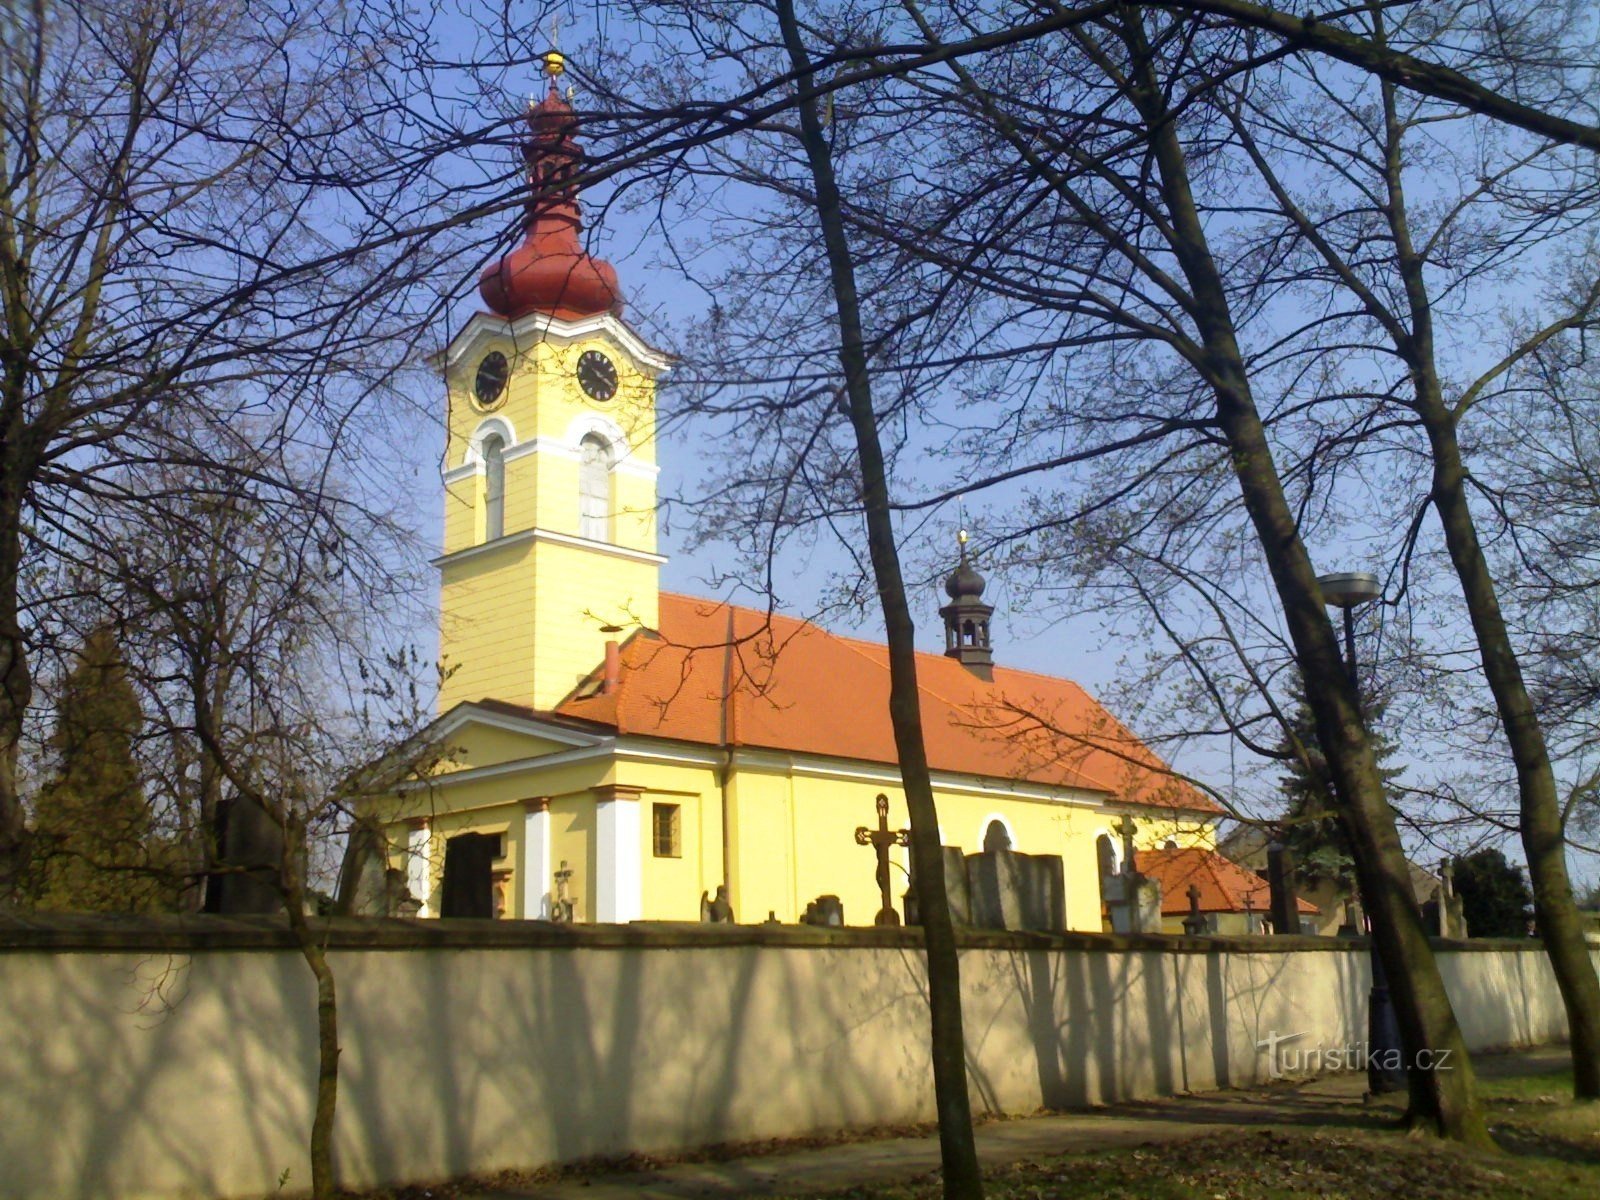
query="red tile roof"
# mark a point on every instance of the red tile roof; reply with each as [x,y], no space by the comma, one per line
[1224,886]
[792,686]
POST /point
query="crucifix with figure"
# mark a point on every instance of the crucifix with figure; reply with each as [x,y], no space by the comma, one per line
[880,839]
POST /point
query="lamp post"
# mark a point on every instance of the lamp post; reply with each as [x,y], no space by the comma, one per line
[1348,591]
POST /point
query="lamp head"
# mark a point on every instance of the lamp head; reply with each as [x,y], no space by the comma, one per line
[1349,589]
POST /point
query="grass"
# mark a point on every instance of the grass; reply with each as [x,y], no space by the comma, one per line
[1266,1164]
[1551,1151]
[1328,1145]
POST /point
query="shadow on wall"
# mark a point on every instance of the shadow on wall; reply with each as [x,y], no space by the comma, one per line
[1104,1027]
[473,1047]
[496,1061]
[122,1073]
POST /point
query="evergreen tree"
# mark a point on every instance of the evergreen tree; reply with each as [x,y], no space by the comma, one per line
[94,849]
[1310,826]
[1494,895]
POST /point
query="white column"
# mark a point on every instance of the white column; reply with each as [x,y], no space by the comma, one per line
[419,865]
[536,859]
[619,866]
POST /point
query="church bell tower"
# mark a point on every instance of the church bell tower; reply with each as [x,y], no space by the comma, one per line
[966,618]
[550,473]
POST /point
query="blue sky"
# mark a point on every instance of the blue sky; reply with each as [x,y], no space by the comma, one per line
[1029,634]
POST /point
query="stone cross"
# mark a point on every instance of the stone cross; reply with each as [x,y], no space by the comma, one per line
[880,839]
[562,908]
[1127,828]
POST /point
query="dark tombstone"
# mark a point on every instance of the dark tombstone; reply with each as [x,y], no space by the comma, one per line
[1351,925]
[250,858]
[956,893]
[1195,923]
[1008,890]
[993,883]
[957,886]
[1280,887]
[1434,919]
[468,886]
[364,883]
[824,910]
[1044,892]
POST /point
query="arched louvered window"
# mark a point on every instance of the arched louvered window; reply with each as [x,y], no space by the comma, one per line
[594,488]
[494,487]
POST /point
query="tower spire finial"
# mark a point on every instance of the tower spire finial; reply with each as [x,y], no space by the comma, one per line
[551,271]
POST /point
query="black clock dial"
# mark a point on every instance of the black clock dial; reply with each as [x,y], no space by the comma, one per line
[597,375]
[491,381]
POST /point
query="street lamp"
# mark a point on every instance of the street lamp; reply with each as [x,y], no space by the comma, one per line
[1348,590]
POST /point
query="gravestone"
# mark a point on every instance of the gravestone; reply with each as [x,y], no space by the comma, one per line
[1008,890]
[1283,903]
[1133,902]
[956,891]
[825,910]
[250,855]
[1452,913]
[468,886]
[1351,925]
[1195,923]
[366,885]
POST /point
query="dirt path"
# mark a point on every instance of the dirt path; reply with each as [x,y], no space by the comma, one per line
[1328,1102]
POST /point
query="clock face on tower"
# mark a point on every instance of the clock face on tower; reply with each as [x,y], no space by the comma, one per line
[597,375]
[491,379]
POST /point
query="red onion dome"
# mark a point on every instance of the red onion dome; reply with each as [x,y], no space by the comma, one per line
[550,272]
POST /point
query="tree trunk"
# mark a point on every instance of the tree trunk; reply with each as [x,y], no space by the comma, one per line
[1542,827]
[1447,1099]
[322,1119]
[962,1178]
[16,690]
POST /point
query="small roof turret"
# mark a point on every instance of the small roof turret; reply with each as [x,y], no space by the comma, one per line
[966,617]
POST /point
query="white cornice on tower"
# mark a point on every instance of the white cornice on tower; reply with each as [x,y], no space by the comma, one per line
[537,326]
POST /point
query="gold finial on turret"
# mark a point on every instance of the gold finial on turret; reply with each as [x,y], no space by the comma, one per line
[961,536]
[554,64]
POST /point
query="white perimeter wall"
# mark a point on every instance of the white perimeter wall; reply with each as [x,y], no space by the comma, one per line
[189,1072]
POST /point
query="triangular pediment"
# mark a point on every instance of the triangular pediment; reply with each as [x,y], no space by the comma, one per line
[473,736]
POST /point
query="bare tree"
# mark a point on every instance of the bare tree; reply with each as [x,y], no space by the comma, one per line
[221,227]
[261,611]
[1060,204]
[1416,281]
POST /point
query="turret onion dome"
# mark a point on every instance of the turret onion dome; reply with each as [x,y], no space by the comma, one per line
[550,272]
[964,580]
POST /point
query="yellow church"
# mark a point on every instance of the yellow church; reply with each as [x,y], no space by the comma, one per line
[608,752]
